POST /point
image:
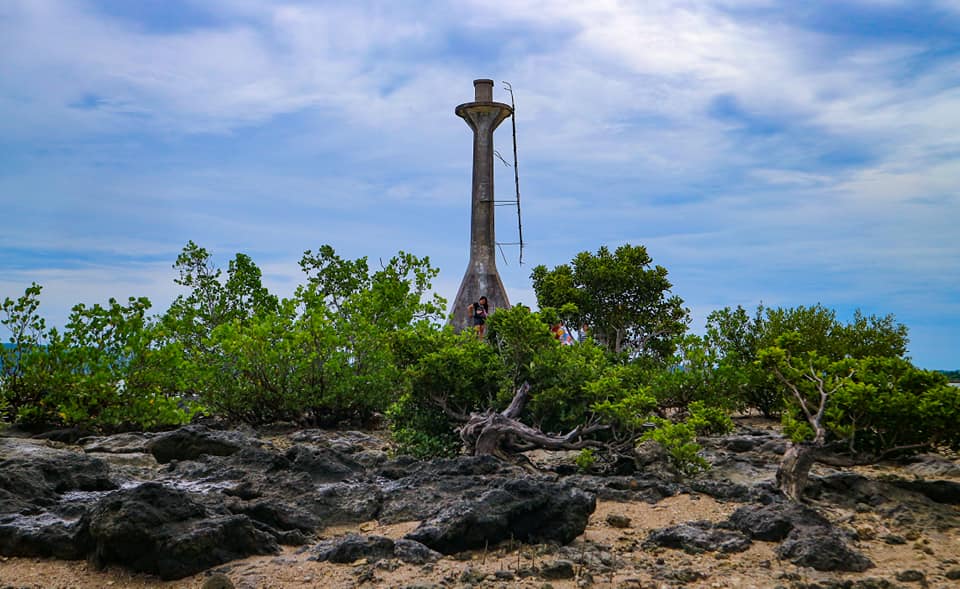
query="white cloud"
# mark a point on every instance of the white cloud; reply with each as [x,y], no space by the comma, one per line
[619,129]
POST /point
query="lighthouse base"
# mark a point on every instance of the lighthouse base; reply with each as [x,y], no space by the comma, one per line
[480,280]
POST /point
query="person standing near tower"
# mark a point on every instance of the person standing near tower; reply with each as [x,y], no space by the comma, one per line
[479,311]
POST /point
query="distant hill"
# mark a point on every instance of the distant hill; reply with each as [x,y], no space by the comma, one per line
[953,375]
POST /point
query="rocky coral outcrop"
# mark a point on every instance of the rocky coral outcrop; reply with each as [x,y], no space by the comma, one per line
[700,536]
[178,502]
[193,441]
[525,510]
[809,539]
[353,547]
[156,529]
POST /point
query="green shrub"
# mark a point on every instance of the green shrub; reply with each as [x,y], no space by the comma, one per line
[623,298]
[109,368]
[628,411]
[585,460]
[462,375]
[519,336]
[560,378]
[707,420]
[872,405]
[679,440]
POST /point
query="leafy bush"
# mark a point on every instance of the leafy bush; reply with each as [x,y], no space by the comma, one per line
[462,374]
[695,374]
[871,405]
[519,336]
[256,374]
[109,367]
[707,420]
[627,410]
[560,378]
[623,298]
[324,356]
[585,460]
[738,338]
[22,379]
[679,440]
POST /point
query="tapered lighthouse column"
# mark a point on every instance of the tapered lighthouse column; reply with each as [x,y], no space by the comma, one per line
[481,278]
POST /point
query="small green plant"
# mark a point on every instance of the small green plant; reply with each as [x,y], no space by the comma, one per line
[707,420]
[679,440]
[585,460]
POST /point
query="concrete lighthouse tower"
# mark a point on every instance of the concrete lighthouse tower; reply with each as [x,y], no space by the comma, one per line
[483,115]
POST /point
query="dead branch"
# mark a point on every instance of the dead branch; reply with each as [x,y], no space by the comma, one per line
[518,402]
[501,434]
[441,402]
[825,456]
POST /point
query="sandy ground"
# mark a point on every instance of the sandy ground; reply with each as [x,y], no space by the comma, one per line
[929,552]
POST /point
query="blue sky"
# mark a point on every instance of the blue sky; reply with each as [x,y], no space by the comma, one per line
[787,152]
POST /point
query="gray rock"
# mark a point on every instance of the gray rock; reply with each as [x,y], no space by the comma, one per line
[558,569]
[644,487]
[522,509]
[809,539]
[192,441]
[911,576]
[217,581]
[322,464]
[342,503]
[821,548]
[412,552]
[276,514]
[775,521]
[130,462]
[127,443]
[44,534]
[696,537]
[39,478]
[616,520]
[682,575]
[163,531]
[726,490]
[69,435]
[353,547]
[930,466]
[947,492]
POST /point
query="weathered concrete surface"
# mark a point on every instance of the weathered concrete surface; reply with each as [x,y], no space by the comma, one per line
[481,278]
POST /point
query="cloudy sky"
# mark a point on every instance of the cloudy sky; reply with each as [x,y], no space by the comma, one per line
[786,152]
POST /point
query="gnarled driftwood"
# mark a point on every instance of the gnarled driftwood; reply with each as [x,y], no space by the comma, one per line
[502,435]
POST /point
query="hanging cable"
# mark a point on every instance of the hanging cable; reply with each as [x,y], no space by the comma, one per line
[516,172]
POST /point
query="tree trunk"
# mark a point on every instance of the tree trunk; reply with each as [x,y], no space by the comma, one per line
[794,470]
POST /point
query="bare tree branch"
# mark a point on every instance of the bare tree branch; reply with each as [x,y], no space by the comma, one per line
[499,434]
[441,402]
[518,402]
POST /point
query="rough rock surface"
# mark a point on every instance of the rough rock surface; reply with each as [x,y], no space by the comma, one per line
[696,537]
[211,496]
[809,539]
[43,494]
[525,510]
[774,522]
[159,530]
[353,547]
[193,441]
[822,549]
